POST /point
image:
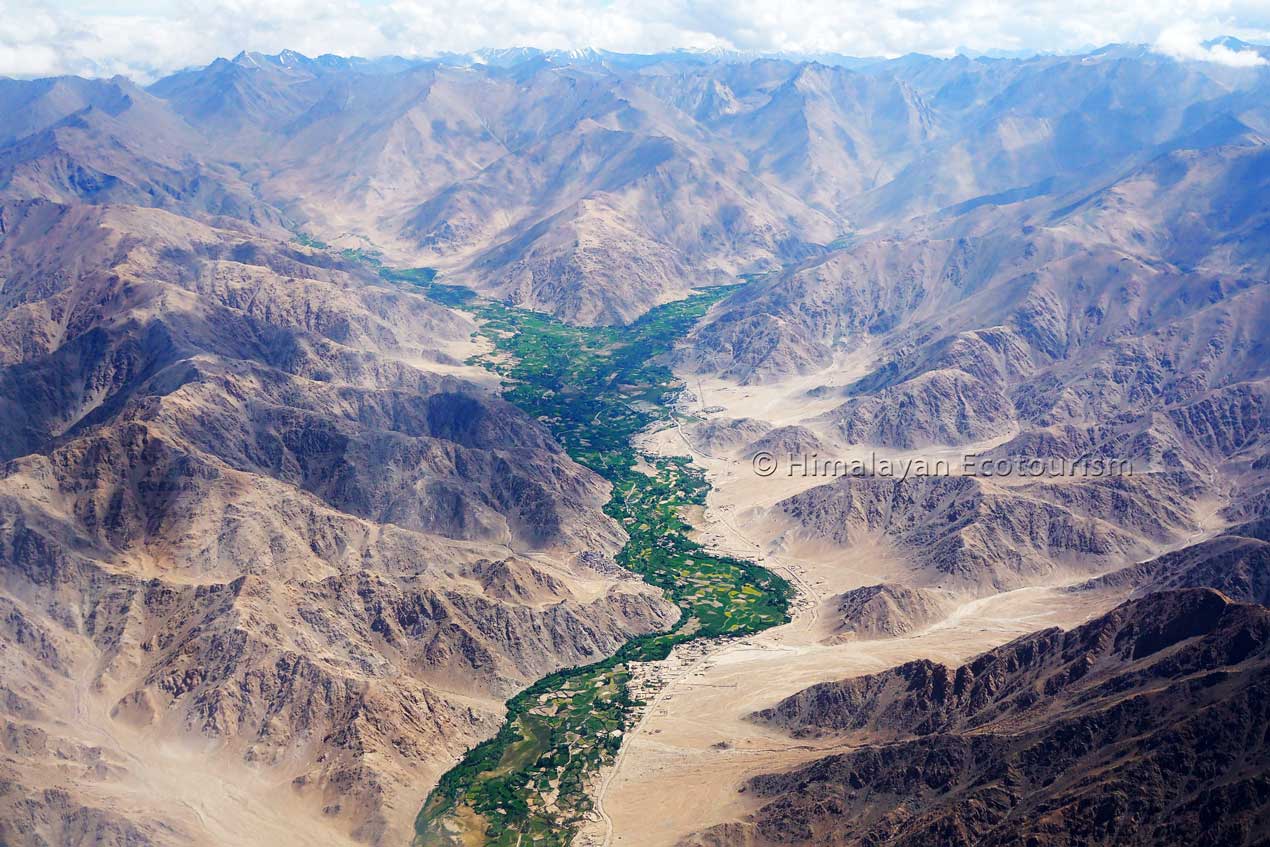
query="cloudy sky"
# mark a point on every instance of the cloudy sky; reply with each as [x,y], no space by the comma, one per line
[145,38]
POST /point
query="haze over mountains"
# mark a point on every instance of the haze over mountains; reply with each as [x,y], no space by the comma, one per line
[537,178]
[272,555]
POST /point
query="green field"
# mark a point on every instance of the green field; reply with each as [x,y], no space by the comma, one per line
[595,387]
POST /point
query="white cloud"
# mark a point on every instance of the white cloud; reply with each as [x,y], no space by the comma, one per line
[29,59]
[1185,41]
[144,38]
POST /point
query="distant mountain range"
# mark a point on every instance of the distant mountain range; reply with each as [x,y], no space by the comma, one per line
[509,56]
[535,173]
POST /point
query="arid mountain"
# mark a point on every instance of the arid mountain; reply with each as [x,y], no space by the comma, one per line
[1118,324]
[1143,726]
[1237,563]
[244,506]
[112,142]
[1076,277]
[827,134]
[971,533]
[1048,124]
[536,182]
[886,610]
[536,174]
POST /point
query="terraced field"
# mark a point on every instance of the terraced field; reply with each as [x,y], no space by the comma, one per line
[595,388]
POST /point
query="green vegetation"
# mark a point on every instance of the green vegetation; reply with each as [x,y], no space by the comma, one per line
[455,296]
[366,255]
[841,242]
[309,241]
[361,254]
[595,388]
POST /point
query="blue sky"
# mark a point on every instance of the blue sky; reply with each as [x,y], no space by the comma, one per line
[145,38]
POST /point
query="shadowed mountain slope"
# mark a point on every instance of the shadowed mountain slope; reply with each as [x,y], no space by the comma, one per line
[1143,726]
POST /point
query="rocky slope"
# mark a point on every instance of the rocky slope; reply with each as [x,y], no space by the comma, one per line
[1075,310]
[1237,563]
[885,611]
[1140,727]
[243,506]
[536,175]
[1116,323]
[974,534]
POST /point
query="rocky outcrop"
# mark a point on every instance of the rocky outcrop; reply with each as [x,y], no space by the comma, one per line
[54,814]
[725,435]
[971,533]
[786,441]
[1235,564]
[936,408]
[885,611]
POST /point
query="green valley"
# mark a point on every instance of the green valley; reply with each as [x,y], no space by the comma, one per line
[595,388]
